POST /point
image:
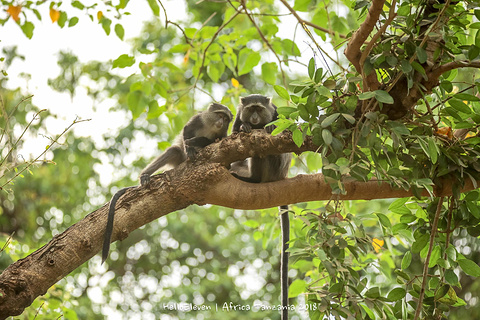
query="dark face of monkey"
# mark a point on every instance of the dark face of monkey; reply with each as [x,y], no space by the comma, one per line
[254,112]
[216,121]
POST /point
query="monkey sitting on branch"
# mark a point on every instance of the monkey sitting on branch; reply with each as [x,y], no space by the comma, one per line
[255,112]
[200,131]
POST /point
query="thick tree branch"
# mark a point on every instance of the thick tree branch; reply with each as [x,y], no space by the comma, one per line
[204,181]
[353,51]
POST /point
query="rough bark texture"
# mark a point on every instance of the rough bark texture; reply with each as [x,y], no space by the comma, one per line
[204,181]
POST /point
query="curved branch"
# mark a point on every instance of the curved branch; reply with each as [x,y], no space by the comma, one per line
[437,72]
[203,181]
[353,52]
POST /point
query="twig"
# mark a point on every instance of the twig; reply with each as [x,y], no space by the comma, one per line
[7,242]
[175,24]
[427,259]
[21,136]
[46,149]
[267,43]
[308,23]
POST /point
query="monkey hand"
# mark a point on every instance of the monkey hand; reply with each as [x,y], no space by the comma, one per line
[191,153]
[246,127]
[144,179]
[269,129]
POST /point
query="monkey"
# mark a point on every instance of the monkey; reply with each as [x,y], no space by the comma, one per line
[201,130]
[255,112]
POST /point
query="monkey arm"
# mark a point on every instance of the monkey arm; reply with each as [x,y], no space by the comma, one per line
[199,142]
[236,124]
[172,156]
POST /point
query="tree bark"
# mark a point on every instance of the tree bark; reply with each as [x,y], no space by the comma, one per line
[206,180]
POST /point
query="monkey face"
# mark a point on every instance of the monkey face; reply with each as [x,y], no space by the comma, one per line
[256,115]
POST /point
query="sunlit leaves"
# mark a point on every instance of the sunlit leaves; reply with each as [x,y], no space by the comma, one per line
[27,29]
[282,92]
[154,7]
[119,31]
[123,61]
[247,60]
[14,12]
[269,72]
[54,15]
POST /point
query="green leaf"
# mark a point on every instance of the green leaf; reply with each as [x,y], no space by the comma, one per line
[269,72]
[252,224]
[466,96]
[106,25]
[282,92]
[384,220]
[154,6]
[383,96]
[290,48]
[420,243]
[421,55]
[301,5]
[368,311]
[406,66]
[297,137]
[78,5]
[349,118]
[433,150]
[123,61]
[459,106]
[27,29]
[329,120]
[398,128]
[398,204]
[424,146]
[296,288]
[327,137]
[407,259]
[396,294]
[311,68]
[373,293]
[366,95]
[136,103]
[72,22]
[247,60]
[451,277]
[286,111]
[469,267]
[63,19]
[418,68]
[215,70]
[119,31]
[436,252]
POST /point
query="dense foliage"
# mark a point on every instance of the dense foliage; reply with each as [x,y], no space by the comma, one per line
[405,109]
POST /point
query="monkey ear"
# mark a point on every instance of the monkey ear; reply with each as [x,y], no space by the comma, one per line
[242,100]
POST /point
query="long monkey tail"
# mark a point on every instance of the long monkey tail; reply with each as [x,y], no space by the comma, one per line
[285,223]
[109,227]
